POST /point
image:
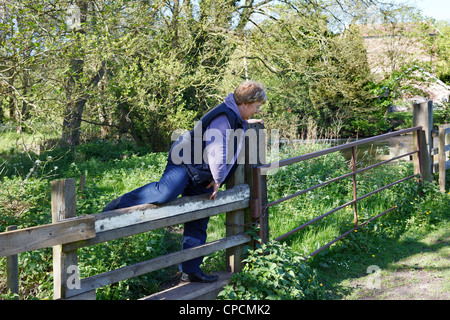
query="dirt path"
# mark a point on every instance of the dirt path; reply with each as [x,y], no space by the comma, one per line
[422,276]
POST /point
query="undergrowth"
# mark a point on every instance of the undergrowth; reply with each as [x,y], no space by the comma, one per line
[274,271]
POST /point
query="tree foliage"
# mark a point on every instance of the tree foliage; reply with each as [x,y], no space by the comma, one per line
[145,68]
[443,50]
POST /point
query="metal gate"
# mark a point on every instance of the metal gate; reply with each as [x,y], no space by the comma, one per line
[259,210]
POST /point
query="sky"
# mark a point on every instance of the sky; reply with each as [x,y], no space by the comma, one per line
[438,9]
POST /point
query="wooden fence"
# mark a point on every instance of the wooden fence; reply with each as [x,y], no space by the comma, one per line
[67,233]
[443,154]
[436,160]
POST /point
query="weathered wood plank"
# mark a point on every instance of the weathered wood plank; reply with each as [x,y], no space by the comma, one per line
[157,224]
[167,215]
[28,239]
[12,269]
[193,290]
[63,207]
[445,127]
[235,221]
[113,276]
[436,150]
[423,116]
[120,218]
[444,147]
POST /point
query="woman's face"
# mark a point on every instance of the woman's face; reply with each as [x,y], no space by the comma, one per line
[247,110]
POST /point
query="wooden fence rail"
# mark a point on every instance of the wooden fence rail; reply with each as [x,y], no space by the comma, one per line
[45,236]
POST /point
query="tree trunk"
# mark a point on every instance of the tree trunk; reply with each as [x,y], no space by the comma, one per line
[75,103]
[74,108]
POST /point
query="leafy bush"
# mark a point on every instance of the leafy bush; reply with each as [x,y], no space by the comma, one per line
[24,202]
[273,272]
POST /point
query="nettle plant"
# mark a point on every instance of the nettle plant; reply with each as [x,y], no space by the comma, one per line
[273,272]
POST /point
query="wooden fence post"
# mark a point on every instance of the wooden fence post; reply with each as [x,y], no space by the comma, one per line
[12,269]
[423,116]
[444,140]
[82,183]
[235,224]
[255,156]
[65,264]
[239,221]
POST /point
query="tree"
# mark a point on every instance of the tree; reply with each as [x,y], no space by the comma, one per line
[146,68]
[443,52]
[311,71]
[18,35]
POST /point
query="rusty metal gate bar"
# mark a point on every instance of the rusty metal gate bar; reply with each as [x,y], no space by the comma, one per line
[258,211]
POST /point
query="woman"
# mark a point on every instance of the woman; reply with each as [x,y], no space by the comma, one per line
[200,162]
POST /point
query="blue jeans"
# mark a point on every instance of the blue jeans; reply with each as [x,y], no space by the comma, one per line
[174,182]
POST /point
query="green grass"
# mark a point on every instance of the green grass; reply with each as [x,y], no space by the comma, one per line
[113,168]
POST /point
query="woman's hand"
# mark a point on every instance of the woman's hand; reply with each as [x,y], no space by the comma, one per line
[216,187]
[255,121]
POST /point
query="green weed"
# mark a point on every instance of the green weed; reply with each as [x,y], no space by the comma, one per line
[274,272]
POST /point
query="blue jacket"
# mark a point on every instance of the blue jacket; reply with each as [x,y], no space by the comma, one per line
[197,169]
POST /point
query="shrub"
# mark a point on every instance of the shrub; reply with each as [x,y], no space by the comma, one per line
[273,272]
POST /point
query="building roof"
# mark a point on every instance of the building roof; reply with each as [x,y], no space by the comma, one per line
[397,29]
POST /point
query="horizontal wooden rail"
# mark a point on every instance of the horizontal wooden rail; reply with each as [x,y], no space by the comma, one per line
[44,236]
[88,230]
[121,223]
[113,276]
[138,214]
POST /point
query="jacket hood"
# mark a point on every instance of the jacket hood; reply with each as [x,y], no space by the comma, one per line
[231,103]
